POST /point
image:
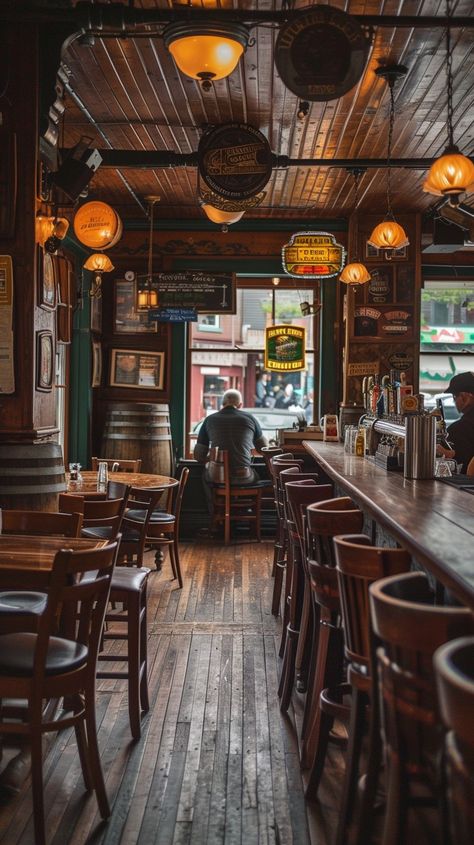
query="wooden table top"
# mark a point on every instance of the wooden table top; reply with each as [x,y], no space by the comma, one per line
[432,520]
[136,479]
[25,552]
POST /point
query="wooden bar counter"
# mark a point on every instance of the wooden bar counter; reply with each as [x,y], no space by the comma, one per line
[432,520]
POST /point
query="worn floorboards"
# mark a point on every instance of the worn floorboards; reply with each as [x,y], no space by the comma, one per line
[217,762]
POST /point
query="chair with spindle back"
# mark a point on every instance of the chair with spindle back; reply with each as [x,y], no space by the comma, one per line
[298,494]
[233,503]
[117,465]
[454,671]
[324,520]
[409,628]
[359,564]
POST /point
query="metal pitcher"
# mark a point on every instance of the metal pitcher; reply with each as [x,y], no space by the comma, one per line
[420,446]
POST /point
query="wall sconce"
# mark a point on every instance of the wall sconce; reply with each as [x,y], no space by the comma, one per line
[389,235]
[98,263]
[49,231]
[206,51]
[453,173]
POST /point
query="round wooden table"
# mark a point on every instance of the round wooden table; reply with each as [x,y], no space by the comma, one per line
[136,479]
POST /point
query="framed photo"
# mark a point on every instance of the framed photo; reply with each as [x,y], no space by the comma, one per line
[96,364]
[96,313]
[373,252]
[137,369]
[46,280]
[127,320]
[44,361]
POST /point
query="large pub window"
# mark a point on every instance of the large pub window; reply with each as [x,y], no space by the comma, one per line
[227,351]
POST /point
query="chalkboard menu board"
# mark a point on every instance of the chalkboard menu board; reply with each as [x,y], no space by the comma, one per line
[208,293]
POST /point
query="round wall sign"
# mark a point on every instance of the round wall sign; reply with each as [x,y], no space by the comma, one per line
[234,160]
[97,225]
[321,53]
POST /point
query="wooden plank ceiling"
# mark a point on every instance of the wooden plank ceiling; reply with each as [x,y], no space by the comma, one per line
[126,93]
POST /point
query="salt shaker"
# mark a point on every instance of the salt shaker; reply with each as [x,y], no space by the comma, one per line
[102,477]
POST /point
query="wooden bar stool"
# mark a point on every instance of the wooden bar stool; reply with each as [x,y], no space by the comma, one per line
[324,520]
[358,565]
[233,502]
[410,627]
[454,670]
[278,464]
[298,494]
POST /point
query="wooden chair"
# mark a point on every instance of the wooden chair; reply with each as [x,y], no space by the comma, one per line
[454,670]
[359,564]
[410,627]
[163,527]
[232,503]
[324,520]
[102,519]
[277,465]
[119,465]
[42,523]
[298,494]
[50,665]
[140,506]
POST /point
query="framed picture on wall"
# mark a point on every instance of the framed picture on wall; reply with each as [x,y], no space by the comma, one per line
[44,361]
[127,320]
[381,254]
[96,313]
[46,280]
[137,369]
[96,364]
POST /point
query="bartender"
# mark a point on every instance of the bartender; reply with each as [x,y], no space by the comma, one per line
[461,432]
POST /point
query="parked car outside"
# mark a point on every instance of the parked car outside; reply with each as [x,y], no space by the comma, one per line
[270,420]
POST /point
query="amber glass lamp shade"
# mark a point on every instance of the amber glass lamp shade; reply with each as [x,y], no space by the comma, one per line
[44,226]
[355,274]
[388,235]
[450,175]
[216,215]
[146,298]
[96,225]
[99,263]
[206,51]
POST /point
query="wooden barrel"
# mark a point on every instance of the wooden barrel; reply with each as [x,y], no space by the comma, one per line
[31,475]
[139,430]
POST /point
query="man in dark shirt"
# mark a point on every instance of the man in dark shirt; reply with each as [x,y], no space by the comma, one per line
[461,432]
[234,430]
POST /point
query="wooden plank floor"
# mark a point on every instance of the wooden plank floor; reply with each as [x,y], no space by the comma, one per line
[216,763]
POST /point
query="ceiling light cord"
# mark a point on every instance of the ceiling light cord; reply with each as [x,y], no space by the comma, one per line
[389,147]
[449,73]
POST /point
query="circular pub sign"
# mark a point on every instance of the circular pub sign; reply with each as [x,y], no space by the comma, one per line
[321,53]
[234,160]
[97,225]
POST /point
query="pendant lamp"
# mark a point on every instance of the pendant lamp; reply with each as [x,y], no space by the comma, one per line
[217,215]
[206,51]
[453,173]
[98,263]
[389,235]
[355,273]
[147,297]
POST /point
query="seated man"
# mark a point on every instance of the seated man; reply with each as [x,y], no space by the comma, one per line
[461,432]
[234,430]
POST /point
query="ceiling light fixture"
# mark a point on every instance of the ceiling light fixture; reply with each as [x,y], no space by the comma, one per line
[147,297]
[389,235]
[206,51]
[98,263]
[355,273]
[217,215]
[453,173]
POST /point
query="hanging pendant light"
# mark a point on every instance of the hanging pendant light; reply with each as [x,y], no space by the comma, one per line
[147,296]
[389,235]
[206,51]
[355,273]
[98,263]
[217,215]
[453,173]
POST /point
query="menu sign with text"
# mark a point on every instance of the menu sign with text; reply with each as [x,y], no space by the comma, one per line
[208,293]
[313,255]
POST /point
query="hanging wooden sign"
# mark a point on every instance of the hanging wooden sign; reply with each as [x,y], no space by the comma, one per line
[285,348]
[234,160]
[321,53]
[313,255]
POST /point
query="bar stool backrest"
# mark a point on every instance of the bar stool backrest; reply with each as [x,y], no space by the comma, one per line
[358,565]
[410,628]
[324,520]
[299,494]
[454,669]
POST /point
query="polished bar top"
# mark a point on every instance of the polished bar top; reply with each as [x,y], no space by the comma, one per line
[432,520]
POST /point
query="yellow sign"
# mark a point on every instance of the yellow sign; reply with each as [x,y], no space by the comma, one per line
[313,255]
[285,348]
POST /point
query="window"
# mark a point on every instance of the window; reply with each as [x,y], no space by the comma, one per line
[227,351]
